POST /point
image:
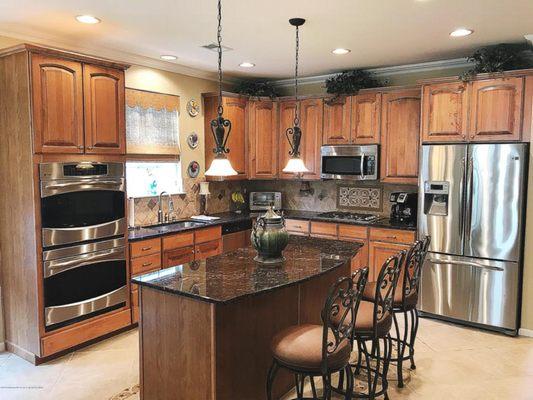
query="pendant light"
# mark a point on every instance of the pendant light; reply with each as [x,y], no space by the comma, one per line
[295,164]
[220,166]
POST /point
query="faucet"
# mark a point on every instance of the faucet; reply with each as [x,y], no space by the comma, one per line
[160,217]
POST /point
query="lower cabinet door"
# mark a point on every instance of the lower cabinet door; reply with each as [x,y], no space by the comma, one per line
[378,253]
[134,304]
[179,256]
[361,259]
[208,249]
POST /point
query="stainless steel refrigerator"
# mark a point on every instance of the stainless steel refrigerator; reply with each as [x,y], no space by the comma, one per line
[472,204]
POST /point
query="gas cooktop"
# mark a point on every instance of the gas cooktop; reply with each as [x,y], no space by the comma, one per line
[348,216]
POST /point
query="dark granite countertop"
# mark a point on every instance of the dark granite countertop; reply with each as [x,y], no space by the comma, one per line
[229,217]
[231,276]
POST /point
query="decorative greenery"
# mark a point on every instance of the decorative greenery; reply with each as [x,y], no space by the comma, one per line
[350,82]
[498,58]
[256,89]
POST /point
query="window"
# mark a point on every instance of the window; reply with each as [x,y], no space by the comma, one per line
[146,179]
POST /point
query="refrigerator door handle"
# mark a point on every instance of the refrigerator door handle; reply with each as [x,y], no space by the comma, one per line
[468,202]
[466,264]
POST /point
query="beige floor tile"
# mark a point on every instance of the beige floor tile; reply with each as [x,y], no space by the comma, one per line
[3,357]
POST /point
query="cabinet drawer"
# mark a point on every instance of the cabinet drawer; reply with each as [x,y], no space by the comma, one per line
[323,229]
[208,249]
[207,234]
[145,264]
[353,232]
[392,235]
[145,247]
[178,256]
[296,226]
[178,241]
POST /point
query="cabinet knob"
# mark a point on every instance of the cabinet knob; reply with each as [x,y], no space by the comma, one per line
[89,147]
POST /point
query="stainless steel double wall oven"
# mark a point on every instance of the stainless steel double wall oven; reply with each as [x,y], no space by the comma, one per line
[83,234]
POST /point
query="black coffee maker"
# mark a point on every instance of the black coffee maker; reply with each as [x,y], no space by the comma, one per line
[403,209]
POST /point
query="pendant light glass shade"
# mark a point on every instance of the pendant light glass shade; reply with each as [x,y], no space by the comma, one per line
[220,167]
[295,165]
[220,126]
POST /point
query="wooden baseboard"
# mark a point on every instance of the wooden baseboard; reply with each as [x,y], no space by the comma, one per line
[69,338]
[22,353]
[525,332]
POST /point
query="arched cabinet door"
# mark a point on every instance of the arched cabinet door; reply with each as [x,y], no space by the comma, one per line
[495,113]
[57,95]
[104,110]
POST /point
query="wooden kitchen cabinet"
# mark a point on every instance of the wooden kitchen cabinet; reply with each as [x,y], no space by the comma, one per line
[235,111]
[324,230]
[207,249]
[178,256]
[366,118]
[57,96]
[400,133]
[445,112]
[142,265]
[145,247]
[263,139]
[297,227]
[337,115]
[104,106]
[496,109]
[311,114]
[378,252]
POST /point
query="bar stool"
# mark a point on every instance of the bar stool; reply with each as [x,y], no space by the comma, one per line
[405,301]
[373,324]
[320,350]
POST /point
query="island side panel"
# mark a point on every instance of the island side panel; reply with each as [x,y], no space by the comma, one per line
[177,347]
[313,294]
[244,330]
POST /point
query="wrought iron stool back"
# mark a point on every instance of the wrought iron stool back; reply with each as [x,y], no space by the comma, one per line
[412,271]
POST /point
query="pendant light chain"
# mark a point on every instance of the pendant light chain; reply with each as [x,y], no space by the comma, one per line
[220,109]
[297,114]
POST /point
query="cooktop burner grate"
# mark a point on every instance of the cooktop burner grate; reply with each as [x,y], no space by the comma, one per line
[347,216]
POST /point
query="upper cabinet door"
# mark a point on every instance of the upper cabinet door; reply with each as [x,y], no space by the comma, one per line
[400,134]
[235,112]
[105,131]
[366,118]
[337,120]
[444,112]
[57,93]
[495,113]
[311,115]
[263,139]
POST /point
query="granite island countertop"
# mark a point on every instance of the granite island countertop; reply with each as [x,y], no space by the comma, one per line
[228,277]
[230,217]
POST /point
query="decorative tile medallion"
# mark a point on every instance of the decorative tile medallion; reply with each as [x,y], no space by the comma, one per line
[361,198]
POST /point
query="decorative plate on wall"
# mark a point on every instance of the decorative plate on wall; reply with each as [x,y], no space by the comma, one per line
[192,140]
[193,169]
[193,108]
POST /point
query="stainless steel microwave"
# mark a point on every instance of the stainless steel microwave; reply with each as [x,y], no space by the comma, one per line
[351,162]
[260,201]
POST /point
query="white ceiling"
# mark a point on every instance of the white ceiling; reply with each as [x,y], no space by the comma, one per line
[379,32]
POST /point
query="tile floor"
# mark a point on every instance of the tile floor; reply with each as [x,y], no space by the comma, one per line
[452,363]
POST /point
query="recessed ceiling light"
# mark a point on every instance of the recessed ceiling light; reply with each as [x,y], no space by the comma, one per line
[246,64]
[88,19]
[460,32]
[340,51]
[169,57]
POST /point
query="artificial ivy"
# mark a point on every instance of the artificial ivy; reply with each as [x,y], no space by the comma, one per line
[256,89]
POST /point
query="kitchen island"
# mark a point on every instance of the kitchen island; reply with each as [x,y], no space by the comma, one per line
[206,326]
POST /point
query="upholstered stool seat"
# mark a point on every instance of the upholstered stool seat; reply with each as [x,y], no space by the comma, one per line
[300,347]
[364,322]
[410,299]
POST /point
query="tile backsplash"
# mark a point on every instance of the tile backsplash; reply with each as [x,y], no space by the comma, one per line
[320,196]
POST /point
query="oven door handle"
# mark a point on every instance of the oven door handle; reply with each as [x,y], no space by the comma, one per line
[362,166]
[55,267]
[50,189]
